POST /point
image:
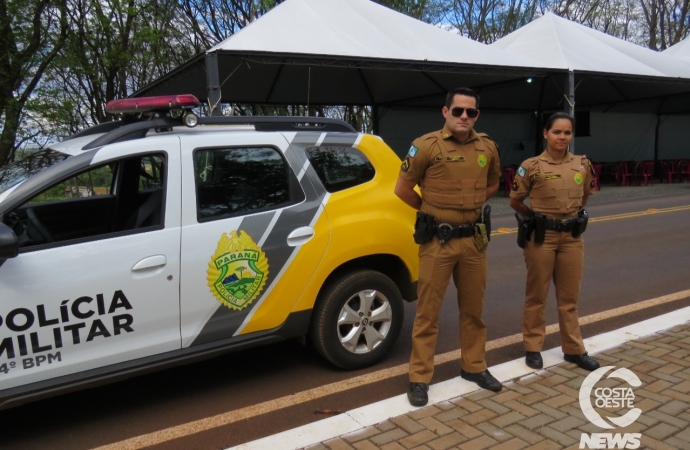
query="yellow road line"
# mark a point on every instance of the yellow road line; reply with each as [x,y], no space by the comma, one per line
[614,217]
[230,417]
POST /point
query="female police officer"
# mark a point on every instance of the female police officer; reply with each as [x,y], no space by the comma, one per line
[558,184]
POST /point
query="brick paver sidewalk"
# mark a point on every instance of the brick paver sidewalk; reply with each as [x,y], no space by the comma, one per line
[542,410]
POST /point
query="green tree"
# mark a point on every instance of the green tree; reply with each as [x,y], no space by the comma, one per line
[32,32]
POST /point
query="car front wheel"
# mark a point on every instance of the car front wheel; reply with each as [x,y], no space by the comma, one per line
[357,319]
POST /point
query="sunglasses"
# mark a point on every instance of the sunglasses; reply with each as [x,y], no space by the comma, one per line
[471,112]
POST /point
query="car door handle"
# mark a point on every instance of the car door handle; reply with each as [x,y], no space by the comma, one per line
[300,236]
[150,262]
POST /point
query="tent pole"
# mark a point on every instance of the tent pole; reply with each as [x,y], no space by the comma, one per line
[570,106]
[656,133]
[213,84]
[656,140]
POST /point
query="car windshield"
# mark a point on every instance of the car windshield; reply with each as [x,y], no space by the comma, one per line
[30,164]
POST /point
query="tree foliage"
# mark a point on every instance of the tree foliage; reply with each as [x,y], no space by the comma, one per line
[32,32]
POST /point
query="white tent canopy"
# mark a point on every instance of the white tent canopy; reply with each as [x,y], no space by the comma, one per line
[365,30]
[625,88]
[357,52]
[681,50]
[568,45]
[343,52]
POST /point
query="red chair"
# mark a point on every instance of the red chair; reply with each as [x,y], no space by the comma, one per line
[608,172]
[508,176]
[668,171]
[597,173]
[684,170]
[623,174]
[644,170]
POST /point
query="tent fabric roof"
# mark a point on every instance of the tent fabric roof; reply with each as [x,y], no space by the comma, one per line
[568,45]
[681,50]
[362,29]
[357,52]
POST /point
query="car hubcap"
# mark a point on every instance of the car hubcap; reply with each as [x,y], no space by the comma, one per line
[364,321]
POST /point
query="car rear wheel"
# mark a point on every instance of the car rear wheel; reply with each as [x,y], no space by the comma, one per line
[357,319]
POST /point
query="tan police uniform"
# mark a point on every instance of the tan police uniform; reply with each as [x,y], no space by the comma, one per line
[452,177]
[555,190]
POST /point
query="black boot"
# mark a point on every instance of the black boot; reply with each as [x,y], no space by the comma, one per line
[483,379]
[583,361]
[417,394]
[533,360]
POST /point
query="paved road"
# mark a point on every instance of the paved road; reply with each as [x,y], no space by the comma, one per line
[628,260]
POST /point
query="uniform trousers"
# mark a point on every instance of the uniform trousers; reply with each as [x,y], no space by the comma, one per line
[460,258]
[561,258]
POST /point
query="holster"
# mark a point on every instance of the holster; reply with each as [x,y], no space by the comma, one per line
[481,237]
[580,224]
[539,228]
[424,228]
[486,220]
[525,228]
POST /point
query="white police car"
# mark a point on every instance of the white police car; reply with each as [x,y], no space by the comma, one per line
[151,241]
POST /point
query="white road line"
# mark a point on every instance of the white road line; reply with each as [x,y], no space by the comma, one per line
[338,422]
[369,415]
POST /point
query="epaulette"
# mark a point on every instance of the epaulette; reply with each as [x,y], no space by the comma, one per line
[483,137]
[426,137]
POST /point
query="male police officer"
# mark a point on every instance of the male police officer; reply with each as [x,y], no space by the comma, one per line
[456,169]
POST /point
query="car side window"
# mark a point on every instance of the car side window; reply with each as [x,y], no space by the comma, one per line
[88,184]
[235,181]
[151,173]
[340,168]
[118,196]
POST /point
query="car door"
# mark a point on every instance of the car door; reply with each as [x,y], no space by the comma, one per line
[96,281]
[251,236]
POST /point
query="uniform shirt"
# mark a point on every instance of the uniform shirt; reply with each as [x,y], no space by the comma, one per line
[478,155]
[555,188]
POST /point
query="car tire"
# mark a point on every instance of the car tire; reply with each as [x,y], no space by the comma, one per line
[357,319]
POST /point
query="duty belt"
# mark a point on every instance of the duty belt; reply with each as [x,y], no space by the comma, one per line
[559,225]
[446,231]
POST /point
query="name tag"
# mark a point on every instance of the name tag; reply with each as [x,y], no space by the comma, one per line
[552,176]
[455,158]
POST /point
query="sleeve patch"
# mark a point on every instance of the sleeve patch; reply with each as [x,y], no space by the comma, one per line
[413,151]
[405,165]
[521,171]
[516,185]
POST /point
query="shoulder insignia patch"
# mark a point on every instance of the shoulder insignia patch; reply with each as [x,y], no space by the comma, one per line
[516,185]
[237,271]
[413,151]
[405,165]
[521,171]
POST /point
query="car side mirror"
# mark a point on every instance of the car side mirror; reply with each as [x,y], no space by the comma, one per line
[9,244]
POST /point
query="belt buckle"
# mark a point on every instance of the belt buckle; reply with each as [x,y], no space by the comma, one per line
[444,232]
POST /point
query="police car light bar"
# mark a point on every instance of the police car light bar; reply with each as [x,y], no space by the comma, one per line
[158,103]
